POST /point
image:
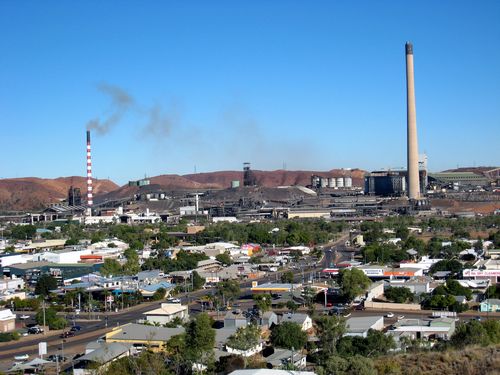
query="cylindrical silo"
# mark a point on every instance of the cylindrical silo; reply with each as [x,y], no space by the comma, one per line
[324,182]
[348,182]
[340,182]
[331,182]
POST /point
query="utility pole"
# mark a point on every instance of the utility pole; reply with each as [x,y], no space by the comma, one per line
[43,307]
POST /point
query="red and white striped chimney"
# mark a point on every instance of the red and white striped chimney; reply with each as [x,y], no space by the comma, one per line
[90,200]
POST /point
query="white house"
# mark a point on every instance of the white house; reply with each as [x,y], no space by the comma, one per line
[246,353]
[166,313]
[303,320]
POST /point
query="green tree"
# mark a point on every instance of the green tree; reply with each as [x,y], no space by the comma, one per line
[492,328]
[446,265]
[292,306]
[360,365]
[263,302]
[23,232]
[353,282]
[51,319]
[200,339]
[159,294]
[471,333]
[45,284]
[329,330]
[399,294]
[224,258]
[198,281]
[111,267]
[228,290]
[288,335]
[71,242]
[287,277]
[132,266]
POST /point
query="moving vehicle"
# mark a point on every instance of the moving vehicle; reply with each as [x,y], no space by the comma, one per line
[67,334]
[173,300]
[75,328]
[21,357]
[401,317]
[389,315]
[24,317]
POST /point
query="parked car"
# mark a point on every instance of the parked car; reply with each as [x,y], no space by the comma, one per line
[21,357]
[56,358]
[389,315]
[35,330]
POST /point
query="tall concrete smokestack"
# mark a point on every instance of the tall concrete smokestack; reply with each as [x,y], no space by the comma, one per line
[411,118]
[90,200]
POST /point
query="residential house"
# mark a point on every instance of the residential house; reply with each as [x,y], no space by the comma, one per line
[96,360]
[285,357]
[490,305]
[166,313]
[268,319]
[303,320]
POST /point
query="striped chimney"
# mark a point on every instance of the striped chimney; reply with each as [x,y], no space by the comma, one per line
[90,200]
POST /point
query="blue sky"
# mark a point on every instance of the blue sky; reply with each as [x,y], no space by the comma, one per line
[309,84]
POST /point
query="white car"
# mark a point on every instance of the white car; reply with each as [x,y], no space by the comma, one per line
[24,317]
[22,357]
[389,315]
[174,300]
[400,317]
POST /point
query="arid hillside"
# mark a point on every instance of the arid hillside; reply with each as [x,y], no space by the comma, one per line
[27,193]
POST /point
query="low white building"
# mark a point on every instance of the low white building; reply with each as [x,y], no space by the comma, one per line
[14,283]
[166,313]
[359,326]
[7,320]
[67,256]
[10,259]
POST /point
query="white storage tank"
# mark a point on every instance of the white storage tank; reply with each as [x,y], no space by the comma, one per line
[348,182]
[331,182]
[324,182]
[340,182]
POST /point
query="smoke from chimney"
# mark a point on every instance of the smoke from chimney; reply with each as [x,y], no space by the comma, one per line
[121,102]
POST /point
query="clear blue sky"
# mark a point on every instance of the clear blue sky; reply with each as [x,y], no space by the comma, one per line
[314,85]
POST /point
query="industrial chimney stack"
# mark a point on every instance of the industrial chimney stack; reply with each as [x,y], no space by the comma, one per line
[411,116]
[90,200]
